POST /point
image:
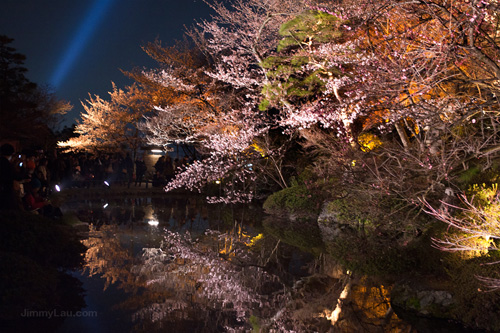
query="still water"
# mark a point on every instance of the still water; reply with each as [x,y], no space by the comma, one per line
[177,264]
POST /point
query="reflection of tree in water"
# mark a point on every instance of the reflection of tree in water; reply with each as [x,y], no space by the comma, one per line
[323,304]
[369,310]
[200,276]
[230,280]
[107,257]
[214,280]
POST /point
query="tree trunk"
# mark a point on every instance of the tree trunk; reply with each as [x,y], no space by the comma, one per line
[402,135]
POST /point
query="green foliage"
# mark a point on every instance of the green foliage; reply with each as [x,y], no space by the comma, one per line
[349,211]
[255,322]
[484,196]
[282,65]
[304,197]
[288,78]
[264,105]
[292,87]
[295,199]
[307,176]
[312,25]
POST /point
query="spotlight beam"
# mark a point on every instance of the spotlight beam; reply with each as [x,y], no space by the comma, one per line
[94,16]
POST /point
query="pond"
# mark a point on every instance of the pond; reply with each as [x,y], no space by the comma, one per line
[174,263]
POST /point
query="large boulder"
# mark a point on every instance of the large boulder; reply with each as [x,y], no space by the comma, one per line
[333,222]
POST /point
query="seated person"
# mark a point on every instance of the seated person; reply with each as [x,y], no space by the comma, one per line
[35,202]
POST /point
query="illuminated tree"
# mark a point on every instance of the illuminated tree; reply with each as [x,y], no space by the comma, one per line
[437,73]
[313,77]
[424,60]
[110,125]
[192,108]
[436,62]
[409,71]
[216,103]
[240,36]
[475,227]
[184,97]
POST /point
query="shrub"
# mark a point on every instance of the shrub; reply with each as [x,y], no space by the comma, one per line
[295,200]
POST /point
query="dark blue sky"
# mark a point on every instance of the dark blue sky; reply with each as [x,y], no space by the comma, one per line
[114,31]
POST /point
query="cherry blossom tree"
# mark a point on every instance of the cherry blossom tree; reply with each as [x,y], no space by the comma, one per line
[433,62]
[436,80]
[193,108]
[183,96]
[425,68]
[110,125]
[218,109]
[424,60]
[240,36]
[315,80]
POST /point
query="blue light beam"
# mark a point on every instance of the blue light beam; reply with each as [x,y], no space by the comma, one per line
[94,16]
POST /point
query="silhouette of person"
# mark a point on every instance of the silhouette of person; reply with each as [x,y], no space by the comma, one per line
[7,175]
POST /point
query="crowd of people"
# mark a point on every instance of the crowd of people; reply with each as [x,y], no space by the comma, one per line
[28,178]
[24,183]
[165,169]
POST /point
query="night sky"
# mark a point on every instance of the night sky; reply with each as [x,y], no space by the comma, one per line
[78,46]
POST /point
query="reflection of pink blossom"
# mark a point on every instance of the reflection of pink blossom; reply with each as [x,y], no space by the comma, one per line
[192,268]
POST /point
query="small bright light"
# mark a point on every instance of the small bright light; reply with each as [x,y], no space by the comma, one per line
[106,183]
[105,205]
[217,182]
[153,223]
[58,188]
[156,151]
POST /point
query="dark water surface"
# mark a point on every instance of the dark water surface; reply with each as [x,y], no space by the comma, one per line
[176,264]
